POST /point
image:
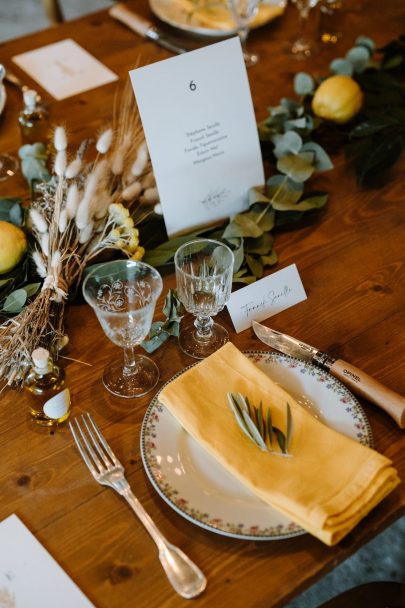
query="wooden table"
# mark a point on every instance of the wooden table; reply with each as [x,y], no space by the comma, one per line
[351,260]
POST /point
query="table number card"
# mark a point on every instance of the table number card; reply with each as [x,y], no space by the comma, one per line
[29,576]
[265,298]
[200,127]
[64,69]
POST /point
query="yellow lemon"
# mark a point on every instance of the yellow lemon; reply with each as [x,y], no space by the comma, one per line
[337,98]
[13,245]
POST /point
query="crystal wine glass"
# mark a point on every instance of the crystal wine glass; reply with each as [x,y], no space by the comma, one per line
[204,270]
[243,11]
[304,46]
[123,295]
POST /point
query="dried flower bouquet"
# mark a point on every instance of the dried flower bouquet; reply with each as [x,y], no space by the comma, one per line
[86,208]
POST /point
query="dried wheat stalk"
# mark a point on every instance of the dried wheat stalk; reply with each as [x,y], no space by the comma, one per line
[85,209]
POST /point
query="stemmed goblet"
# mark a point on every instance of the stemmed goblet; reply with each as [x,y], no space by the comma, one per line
[123,295]
[204,270]
[304,46]
[243,11]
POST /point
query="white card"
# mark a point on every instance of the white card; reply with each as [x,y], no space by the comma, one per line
[64,69]
[200,127]
[266,297]
[29,576]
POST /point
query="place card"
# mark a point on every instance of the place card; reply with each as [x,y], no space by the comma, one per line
[29,576]
[64,69]
[200,127]
[265,298]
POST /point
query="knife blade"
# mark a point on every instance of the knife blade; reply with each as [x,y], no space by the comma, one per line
[141,26]
[358,381]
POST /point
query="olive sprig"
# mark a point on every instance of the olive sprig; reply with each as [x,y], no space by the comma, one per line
[259,426]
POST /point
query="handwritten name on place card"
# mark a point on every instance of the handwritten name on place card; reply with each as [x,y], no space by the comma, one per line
[266,297]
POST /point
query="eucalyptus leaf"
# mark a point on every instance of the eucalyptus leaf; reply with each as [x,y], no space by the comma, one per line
[245,280]
[342,67]
[303,84]
[322,161]
[261,245]
[282,190]
[10,210]
[31,289]
[239,255]
[366,42]
[289,143]
[359,58]
[164,253]
[15,301]
[242,225]
[255,265]
[297,167]
[33,162]
[269,260]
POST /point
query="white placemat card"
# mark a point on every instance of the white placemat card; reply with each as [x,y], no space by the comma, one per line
[64,69]
[29,576]
[200,127]
[265,298]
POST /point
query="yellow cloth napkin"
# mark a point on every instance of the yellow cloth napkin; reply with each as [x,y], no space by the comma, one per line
[328,485]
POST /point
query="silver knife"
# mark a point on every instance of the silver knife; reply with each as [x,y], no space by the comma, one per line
[141,26]
[359,382]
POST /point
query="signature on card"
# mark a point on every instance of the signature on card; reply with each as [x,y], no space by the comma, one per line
[269,299]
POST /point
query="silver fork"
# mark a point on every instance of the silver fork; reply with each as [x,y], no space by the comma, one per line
[185,577]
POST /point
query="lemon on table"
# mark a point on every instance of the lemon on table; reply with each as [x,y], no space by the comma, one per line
[13,246]
[338,99]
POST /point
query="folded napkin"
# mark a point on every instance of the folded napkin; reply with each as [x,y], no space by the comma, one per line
[328,484]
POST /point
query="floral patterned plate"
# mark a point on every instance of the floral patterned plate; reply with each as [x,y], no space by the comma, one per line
[201,490]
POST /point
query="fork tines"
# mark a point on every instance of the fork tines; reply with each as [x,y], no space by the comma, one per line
[94,449]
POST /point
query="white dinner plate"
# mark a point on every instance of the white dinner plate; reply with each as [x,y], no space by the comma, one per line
[191,16]
[195,485]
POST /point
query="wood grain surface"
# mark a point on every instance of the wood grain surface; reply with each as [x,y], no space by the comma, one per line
[351,260]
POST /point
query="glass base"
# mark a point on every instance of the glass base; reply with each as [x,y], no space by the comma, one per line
[303,48]
[8,166]
[199,347]
[250,59]
[143,380]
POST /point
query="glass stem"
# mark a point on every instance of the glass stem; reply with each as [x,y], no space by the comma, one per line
[243,34]
[130,366]
[304,12]
[203,326]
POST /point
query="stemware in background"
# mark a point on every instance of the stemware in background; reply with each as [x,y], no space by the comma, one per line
[123,295]
[304,46]
[204,270]
[243,12]
[8,164]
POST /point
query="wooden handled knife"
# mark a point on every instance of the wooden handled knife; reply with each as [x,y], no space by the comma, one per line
[358,381]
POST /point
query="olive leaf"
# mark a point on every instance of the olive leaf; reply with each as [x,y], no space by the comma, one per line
[258,427]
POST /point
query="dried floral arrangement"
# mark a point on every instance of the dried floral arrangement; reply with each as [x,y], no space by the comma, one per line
[86,208]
